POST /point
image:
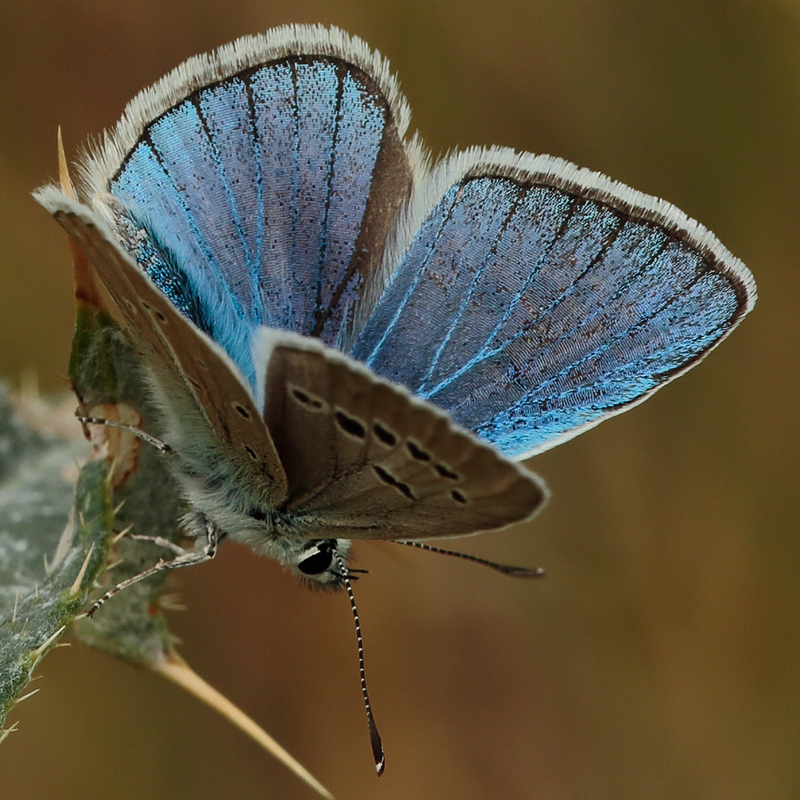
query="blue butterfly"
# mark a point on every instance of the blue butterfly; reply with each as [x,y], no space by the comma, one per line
[346,343]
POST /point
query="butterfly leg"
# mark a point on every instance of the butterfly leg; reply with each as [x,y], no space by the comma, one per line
[157,540]
[162,447]
[185,559]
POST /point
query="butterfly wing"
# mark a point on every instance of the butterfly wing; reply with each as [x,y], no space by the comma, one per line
[366,459]
[271,171]
[197,377]
[533,299]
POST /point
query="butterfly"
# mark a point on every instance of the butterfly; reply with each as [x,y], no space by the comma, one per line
[346,342]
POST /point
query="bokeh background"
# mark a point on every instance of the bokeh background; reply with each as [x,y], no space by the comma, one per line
[660,658]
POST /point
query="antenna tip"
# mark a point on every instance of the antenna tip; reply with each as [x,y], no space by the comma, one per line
[377,750]
[524,572]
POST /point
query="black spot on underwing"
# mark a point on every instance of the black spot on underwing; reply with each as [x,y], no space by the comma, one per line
[445,472]
[417,452]
[387,477]
[239,408]
[307,400]
[350,425]
[384,434]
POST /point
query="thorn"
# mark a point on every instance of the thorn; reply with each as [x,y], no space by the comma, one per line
[85,286]
[109,481]
[26,696]
[171,602]
[122,533]
[14,615]
[76,586]
[7,731]
[63,169]
[40,650]
[64,541]
[179,672]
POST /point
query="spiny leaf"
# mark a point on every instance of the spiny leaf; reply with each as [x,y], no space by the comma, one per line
[53,544]
[107,378]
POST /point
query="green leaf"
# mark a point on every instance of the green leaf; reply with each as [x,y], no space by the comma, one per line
[107,377]
[53,544]
[57,520]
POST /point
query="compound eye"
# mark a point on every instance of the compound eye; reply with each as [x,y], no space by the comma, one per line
[319,558]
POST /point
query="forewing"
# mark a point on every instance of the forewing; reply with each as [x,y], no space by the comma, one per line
[534,299]
[272,168]
[189,364]
[366,459]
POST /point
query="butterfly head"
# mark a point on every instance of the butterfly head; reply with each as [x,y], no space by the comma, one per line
[317,563]
[322,563]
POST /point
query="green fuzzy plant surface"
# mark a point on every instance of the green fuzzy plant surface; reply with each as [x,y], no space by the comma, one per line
[58,529]
[105,372]
[54,535]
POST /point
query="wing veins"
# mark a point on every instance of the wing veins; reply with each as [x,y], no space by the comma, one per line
[534,270]
[289,279]
[220,168]
[473,284]
[597,311]
[485,354]
[193,224]
[622,335]
[527,397]
[319,323]
[368,359]
[259,179]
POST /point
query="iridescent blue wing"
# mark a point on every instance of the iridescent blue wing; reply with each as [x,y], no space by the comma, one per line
[259,182]
[532,299]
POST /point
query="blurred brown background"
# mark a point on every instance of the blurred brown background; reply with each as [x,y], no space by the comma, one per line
[661,656]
